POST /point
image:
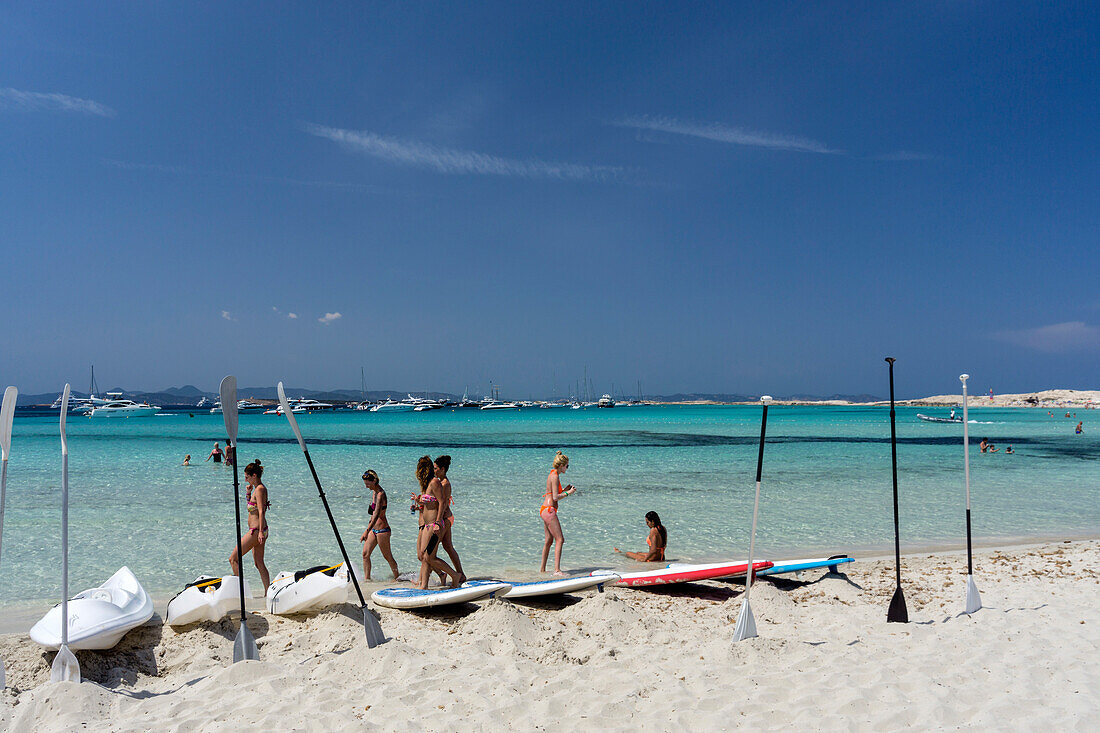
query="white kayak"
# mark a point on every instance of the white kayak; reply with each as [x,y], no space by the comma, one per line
[206,599]
[558,586]
[98,617]
[408,598]
[308,590]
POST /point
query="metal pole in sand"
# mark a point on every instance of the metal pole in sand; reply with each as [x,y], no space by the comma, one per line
[973,598]
[746,624]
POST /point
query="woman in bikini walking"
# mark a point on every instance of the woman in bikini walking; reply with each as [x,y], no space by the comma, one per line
[256,537]
[549,511]
[378,529]
[429,504]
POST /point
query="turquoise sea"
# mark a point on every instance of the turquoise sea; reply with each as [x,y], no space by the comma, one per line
[826,486]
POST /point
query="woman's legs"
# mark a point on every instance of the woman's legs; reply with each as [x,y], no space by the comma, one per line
[548,539]
[449,548]
[383,541]
[258,558]
[247,542]
[368,548]
[428,560]
[554,527]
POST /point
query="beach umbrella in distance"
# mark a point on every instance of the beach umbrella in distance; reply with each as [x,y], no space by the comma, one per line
[65,668]
[973,599]
[244,645]
[7,413]
[746,624]
[897,613]
[371,627]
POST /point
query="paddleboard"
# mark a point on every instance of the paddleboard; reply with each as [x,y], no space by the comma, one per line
[795,566]
[206,599]
[308,590]
[683,573]
[471,590]
[558,586]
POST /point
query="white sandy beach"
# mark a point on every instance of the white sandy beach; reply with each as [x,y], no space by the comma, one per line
[626,660]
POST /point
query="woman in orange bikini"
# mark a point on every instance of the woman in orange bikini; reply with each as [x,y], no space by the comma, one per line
[256,537]
[549,511]
[428,502]
[657,540]
[441,466]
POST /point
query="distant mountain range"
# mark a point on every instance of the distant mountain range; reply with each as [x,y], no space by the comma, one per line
[190,394]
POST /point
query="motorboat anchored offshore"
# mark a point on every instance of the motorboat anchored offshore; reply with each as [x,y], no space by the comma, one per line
[118,407]
[98,617]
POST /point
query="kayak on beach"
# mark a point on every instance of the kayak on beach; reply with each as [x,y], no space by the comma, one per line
[205,599]
[409,598]
[308,590]
[98,617]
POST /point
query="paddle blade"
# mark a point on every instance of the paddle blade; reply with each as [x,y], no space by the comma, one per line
[244,646]
[372,628]
[228,393]
[290,417]
[64,414]
[973,598]
[898,613]
[7,414]
[746,624]
[65,668]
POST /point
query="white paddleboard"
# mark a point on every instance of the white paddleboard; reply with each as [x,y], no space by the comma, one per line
[558,586]
[471,590]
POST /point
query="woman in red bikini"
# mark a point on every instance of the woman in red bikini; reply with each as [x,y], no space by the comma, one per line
[378,529]
[254,540]
[657,540]
[430,506]
[549,512]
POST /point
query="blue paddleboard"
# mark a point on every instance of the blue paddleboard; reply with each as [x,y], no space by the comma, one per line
[794,566]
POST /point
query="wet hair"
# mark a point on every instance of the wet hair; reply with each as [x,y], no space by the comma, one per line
[254,469]
[560,459]
[444,462]
[652,516]
[425,471]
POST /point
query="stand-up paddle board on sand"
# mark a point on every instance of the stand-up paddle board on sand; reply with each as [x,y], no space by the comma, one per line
[784,566]
[558,586]
[680,573]
[407,598]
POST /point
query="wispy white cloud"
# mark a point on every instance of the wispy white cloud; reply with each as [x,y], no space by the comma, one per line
[722,133]
[293,316]
[52,102]
[1055,338]
[228,316]
[452,161]
[329,318]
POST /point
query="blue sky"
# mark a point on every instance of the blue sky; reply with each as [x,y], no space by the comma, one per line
[701,197]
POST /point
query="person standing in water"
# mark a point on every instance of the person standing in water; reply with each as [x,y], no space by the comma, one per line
[549,512]
[378,529]
[187,460]
[216,454]
[441,465]
[430,506]
[657,540]
[256,537]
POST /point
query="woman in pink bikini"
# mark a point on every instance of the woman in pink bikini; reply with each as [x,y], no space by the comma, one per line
[377,533]
[254,540]
[549,511]
[429,504]
[441,466]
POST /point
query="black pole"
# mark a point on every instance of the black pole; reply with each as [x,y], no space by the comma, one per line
[324,500]
[763,431]
[232,455]
[897,613]
[969,556]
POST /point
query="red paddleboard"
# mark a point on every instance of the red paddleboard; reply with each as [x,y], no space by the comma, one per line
[685,573]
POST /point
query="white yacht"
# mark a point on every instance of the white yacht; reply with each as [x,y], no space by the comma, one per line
[118,407]
[605,401]
[500,406]
[392,406]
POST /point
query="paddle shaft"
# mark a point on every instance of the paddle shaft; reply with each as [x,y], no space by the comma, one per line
[237,510]
[65,549]
[3,496]
[966,471]
[756,501]
[894,465]
[335,531]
